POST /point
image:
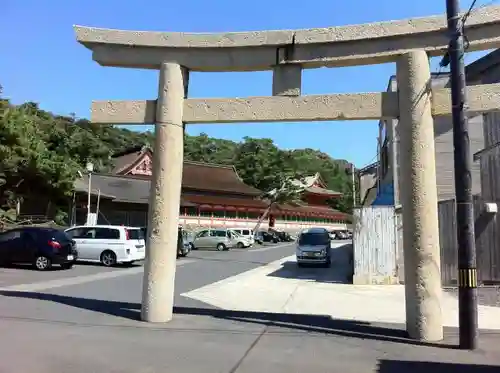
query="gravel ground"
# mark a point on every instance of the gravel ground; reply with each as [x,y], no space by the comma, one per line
[487,295]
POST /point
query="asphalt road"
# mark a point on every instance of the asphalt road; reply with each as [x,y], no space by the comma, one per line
[86,320]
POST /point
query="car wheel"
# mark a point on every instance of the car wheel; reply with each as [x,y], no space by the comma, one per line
[240,245]
[67,265]
[42,263]
[221,247]
[108,258]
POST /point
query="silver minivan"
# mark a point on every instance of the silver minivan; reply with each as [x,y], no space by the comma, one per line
[219,239]
[314,247]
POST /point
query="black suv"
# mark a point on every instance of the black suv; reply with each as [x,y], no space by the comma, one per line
[40,247]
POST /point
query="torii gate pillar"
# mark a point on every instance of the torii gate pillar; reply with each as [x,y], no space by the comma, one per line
[161,249]
[419,198]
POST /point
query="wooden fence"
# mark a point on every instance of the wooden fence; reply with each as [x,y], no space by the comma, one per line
[487,231]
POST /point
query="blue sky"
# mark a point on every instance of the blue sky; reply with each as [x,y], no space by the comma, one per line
[42,62]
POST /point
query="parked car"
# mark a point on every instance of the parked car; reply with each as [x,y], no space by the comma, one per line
[109,244]
[41,247]
[283,236]
[264,236]
[346,235]
[259,238]
[220,239]
[241,242]
[246,233]
[183,247]
[314,247]
[341,235]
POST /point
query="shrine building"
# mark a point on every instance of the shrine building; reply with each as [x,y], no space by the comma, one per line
[213,195]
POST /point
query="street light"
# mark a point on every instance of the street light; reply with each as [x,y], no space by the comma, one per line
[90,169]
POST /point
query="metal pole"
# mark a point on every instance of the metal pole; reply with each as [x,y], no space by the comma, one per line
[353,186]
[88,196]
[98,201]
[467,272]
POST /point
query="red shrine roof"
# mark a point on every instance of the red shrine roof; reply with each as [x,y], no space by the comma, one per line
[316,185]
[196,175]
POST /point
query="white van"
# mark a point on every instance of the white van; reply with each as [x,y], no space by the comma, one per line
[246,233]
[108,244]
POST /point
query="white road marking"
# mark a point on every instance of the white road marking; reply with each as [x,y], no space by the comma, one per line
[51,284]
[266,248]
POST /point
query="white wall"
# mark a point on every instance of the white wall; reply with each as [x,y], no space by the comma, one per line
[193,221]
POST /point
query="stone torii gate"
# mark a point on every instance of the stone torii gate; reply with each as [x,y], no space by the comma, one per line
[409,43]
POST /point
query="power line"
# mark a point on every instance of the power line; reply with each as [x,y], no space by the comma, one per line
[445,61]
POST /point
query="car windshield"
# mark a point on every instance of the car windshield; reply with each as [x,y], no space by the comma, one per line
[313,239]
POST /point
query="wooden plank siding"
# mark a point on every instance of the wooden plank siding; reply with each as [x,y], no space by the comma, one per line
[487,229]
[374,245]
[445,176]
[443,135]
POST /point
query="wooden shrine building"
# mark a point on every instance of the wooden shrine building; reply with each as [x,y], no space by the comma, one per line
[212,195]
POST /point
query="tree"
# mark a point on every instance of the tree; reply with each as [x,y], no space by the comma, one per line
[289,192]
[42,149]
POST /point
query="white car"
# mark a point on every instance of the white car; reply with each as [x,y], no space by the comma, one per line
[247,233]
[239,240]
[108,244]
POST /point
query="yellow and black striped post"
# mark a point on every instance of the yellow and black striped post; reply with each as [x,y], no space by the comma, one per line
[467,278]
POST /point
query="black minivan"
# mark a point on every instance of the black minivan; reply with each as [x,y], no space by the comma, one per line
[42,247]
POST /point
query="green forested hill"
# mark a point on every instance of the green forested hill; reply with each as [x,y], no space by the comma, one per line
[42,150]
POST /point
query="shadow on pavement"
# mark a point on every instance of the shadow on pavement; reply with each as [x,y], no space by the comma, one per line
[340,271]
[397,366]
[29,267]
[306,323]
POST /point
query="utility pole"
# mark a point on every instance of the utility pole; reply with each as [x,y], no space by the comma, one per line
[90,169]
[467,272]
[353,170]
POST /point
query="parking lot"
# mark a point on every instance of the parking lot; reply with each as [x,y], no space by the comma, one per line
[236,311]
[24,276]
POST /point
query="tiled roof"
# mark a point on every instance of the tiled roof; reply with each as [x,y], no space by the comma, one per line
[323,191]
[119,188]
[131,189]
[196,175]
[315,184]
[214,177]
[126,160]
